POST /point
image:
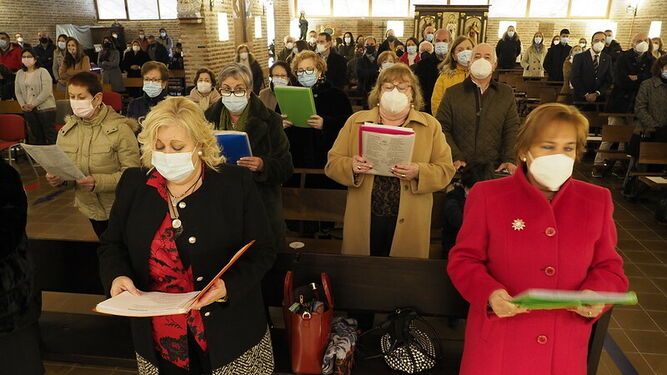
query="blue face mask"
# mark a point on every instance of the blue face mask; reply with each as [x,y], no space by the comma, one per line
[152,89]
[235,104]
[3,43]
[664,74]
[307,80]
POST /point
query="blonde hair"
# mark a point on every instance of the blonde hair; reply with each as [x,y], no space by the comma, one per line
[397,72]
[545,115]
[449,64]
[320,63]
[182,112]
[384,56]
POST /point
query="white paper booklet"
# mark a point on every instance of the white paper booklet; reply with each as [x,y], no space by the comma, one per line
[147,304]
[384,146]
[54,161]
[658,180]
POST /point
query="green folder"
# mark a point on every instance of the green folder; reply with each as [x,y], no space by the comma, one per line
[297,103]
[543,299]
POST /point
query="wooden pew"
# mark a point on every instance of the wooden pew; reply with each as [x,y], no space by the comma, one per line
[649,153]
[133,82]
[10,106]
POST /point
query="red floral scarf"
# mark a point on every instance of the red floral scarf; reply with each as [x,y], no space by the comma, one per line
[167,274]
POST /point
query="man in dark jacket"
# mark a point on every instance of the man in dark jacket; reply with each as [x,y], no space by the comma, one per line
[156,51]
[630,70]
[508,48]
[367,69]
[44,51]
[553,61]
[591,72]
[336,65]
[19,299]
[611,46]
[479,116]
[427,72]
[288,41]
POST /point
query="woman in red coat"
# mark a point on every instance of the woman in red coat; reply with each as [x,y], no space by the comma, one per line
[537,229]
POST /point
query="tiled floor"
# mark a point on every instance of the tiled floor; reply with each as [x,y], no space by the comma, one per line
[640,331]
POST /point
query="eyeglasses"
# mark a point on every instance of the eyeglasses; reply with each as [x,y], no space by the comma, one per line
[402,87]
[237,92]
[153,80]
[308,71]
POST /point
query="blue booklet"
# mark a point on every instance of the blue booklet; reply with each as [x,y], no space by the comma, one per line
[234,145]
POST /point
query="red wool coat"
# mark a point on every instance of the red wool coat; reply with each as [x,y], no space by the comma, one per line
[513,238]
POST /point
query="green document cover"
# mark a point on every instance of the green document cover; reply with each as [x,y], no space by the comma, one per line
[297,103]
[543,299]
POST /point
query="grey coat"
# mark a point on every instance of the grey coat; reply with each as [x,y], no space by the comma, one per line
[651,103]
[111,70]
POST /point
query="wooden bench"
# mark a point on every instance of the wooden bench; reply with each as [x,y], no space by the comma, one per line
[650,153]
[136,82]
[373,284]
[10,107]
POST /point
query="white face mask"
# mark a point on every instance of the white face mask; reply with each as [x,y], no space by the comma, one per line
[204,87]
[481,68]
[556,42]
[174,167]
[61,45]
[429,37]
[279,81]
[441,48]
[394,101]
[142,36]
[538,40]
[641,47]
[582,45]
[295,50]
[348,40]
[321,48]
[510,34]
[312,40]
[289,45]
[564,40]
[243,55]
[411,50]
[82,108]
[598,47]
[136,48]
[387,64]
[235,104]
[464,57]
[551,171]
[608,39]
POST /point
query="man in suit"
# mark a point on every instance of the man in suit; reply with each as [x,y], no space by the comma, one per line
[558,52]
[336,64]
[591,72]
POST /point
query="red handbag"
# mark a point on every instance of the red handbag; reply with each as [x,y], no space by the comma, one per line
[308,323]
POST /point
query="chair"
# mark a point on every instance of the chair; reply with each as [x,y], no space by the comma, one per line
[12,133]
[113,99]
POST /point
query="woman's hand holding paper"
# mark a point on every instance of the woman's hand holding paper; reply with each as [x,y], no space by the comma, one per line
[360,165]
[407,171]
[217,291]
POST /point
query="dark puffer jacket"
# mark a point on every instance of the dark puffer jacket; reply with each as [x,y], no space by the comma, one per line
[480,128]
[19,301]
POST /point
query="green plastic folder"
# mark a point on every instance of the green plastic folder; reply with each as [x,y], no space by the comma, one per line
[543,299]
[297,103]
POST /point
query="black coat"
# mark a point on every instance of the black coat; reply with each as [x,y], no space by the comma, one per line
[427,72]
[613,50]
[622,98]
[584,80]
[367,74]
[309,147]
[157,52]
[452,211]
[19,301]
[507,50]
[553,61]
[269,142]
[132,58]
[257,76]
[221,216]
[336,69]
[139,107]
[44,56]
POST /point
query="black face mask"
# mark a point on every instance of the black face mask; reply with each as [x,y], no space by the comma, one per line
[399,52]
[43,40]
[107,45]
[370,50]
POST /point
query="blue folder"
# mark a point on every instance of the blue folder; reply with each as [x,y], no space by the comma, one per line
[234,145]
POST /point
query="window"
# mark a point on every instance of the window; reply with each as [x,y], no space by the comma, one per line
[168,9]
[223,29]
[294,29]
[655,29]
[315,7]
[258,27]
[468,2]
[390,8]
[502,27]
[507,8]
[589,8]
[111,9]
[350,8]
[549,9]
[137,9]
[270,24]
[397,26]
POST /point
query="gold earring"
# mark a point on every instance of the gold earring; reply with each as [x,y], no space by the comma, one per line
[200,153]
[524,160]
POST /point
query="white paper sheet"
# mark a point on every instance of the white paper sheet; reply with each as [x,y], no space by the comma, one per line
[383,151]
[658,180]
[147,304]
[54,161]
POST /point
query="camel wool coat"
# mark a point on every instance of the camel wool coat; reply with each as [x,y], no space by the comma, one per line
[513,238]
[413,227]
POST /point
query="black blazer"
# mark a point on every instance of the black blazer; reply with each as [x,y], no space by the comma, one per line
[336,69]
[582,78]
[218,219]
